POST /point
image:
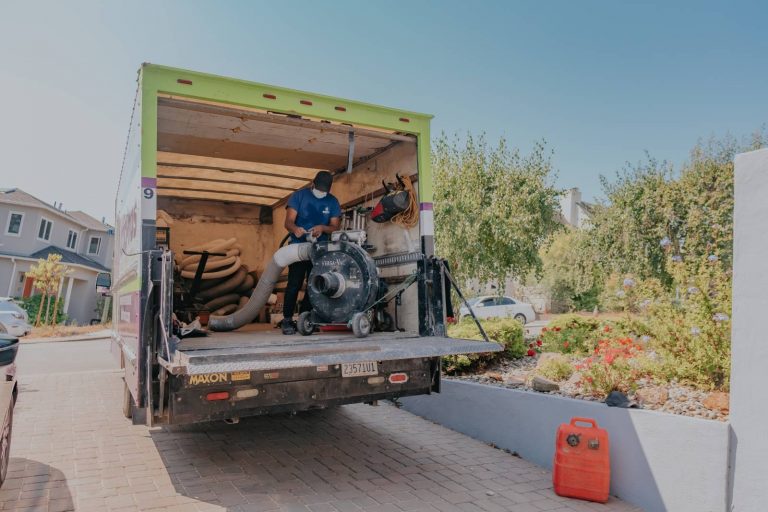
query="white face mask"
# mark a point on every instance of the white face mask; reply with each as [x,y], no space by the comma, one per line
[319,194]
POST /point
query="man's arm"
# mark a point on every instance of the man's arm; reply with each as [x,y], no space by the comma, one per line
[333,225]
[290,223]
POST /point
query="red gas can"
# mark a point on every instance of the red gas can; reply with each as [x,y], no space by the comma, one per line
[582,467]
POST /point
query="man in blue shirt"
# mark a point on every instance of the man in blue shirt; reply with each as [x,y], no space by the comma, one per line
[312,211]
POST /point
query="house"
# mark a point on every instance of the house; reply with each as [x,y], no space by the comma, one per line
[575,212]
[32,229]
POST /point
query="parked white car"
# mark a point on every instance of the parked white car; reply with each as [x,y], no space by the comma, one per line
[13,319]
[490,306]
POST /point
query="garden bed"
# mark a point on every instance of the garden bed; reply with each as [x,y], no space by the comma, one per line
[587,358]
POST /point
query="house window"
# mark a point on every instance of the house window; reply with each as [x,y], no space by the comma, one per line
[15,220]
[94,245]
[72,240]
[44,231]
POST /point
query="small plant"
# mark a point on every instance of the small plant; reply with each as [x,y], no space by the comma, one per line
[569,334]
[615,365]
[507,332]
[556,368]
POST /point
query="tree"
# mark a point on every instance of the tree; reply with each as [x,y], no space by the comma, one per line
[650,210]
[47,275]
[570,271]
[493,207]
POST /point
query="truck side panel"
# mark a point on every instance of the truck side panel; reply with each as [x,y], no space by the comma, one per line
[127,268]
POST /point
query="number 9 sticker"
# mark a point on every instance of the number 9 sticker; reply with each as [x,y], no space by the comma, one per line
[149,193]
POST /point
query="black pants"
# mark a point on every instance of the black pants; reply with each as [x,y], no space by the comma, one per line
[297,273]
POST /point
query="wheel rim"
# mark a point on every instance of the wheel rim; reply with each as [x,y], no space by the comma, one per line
[365,324]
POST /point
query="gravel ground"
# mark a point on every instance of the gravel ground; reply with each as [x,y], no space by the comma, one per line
[680,399]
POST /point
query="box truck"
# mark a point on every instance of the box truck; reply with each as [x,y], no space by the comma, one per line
[199,265]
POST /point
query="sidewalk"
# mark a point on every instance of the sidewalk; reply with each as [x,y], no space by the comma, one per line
[96,335]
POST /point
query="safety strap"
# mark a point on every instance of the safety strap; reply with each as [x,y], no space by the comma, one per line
[351,154]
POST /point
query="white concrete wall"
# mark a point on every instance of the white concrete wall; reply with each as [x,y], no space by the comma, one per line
[659,461]
[749,416]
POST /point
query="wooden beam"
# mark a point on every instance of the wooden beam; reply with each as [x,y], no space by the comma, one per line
[215,196]
[279,119]
[228,188]
[263,154]
[230,165]
[232,178]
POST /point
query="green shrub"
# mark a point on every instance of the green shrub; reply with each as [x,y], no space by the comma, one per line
[556,368]
[615,365]
[570,334]
[690,329]
[32,304]
[508,332]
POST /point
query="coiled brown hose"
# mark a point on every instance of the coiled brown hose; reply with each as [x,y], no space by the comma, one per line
[230,298]
[230,285]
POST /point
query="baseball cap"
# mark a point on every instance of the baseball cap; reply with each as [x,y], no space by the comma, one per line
[323,181]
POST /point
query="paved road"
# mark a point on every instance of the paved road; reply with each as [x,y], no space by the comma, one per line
[64,357]
[73,450]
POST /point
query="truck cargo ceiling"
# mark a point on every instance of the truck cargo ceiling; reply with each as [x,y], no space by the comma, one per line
[214,152]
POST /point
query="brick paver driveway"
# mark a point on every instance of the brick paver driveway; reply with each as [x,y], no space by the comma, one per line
[73,450]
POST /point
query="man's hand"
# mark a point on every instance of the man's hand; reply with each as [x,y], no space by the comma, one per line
[299,231]
[317,231]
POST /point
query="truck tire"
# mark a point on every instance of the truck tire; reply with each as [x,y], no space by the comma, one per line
[127,402]
[5,443]
[361,325]
[304,324]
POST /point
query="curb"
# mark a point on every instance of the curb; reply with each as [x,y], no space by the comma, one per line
[98,335]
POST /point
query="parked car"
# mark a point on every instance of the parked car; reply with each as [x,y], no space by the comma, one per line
[13,319]
[494,307]
[9,346]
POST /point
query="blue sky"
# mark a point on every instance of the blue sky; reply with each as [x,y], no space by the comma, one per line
[602,82]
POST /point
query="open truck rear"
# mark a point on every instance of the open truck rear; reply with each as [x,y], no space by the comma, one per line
[210,160]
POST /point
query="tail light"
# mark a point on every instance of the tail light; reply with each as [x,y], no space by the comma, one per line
[398,378]
[219,395]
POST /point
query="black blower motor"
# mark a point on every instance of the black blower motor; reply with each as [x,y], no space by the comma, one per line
[343,286]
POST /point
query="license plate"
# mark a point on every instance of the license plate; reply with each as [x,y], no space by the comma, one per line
[359,369]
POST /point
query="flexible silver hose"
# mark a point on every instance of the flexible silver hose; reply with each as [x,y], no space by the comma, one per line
[282,258]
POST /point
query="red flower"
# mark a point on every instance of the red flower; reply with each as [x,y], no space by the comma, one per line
[543,329]
[607,328]
[538,342]
[531,352]
[566,344]
[609,358]
[530,345]
[556,329]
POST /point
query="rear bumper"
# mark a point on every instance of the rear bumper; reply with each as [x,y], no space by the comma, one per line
[294,389]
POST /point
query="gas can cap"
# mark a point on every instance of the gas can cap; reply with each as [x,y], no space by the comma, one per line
[572,439]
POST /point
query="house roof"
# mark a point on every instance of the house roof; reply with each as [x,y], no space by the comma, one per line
[16,196]
[68,257]
[88,221]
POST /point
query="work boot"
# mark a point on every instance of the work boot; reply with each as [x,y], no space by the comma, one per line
[288,326]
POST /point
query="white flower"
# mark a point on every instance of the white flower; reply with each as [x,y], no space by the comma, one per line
[720,317]
[620,294]
[645,338]
[665,242]
[712,258]
[693,290]
[695,331]
[677,258]
[629,282]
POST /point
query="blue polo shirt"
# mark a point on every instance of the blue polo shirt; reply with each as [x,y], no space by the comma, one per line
[312,211]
